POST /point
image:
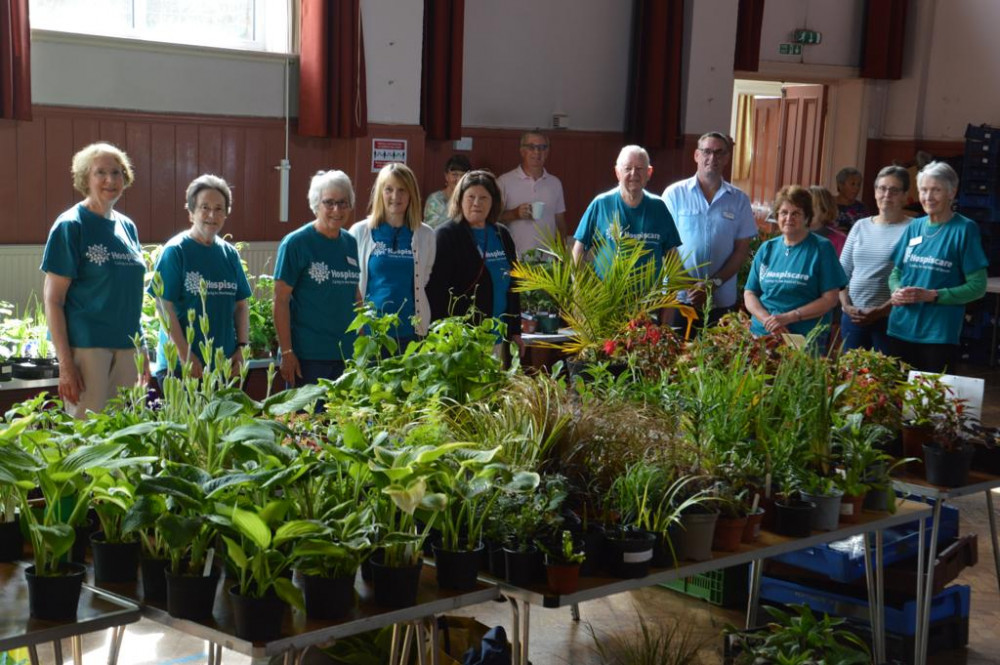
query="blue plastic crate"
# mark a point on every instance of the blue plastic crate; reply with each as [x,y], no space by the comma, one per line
[976,200]
[953,602]
[982,133]
[843,560]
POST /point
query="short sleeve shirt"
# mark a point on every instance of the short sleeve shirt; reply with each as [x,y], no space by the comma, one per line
[935,256]
[708,231]
[183,265]
[650,221]
[786,278]
[390,274]
[324,275]
[519,187]
[103,258]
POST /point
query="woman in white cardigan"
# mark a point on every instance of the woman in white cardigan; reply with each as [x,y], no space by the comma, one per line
[396,252]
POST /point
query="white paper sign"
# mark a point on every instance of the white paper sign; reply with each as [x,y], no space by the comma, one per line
[964,387]
[386,151]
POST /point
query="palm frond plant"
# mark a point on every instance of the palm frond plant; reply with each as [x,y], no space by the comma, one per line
[598,308]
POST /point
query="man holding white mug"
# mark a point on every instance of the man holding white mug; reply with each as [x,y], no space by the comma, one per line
[533,197]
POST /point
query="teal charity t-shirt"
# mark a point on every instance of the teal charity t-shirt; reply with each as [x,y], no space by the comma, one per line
[786,278]
[935,256]
[104,259]
[491,249]
[183,265]
[390,274]
[650,221]
[324,275]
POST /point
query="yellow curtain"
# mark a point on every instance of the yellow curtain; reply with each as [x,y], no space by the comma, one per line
[743,144]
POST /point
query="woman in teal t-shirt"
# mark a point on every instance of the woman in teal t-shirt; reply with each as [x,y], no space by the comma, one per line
[795,279]
[199,259]
[939,266]
[93,283]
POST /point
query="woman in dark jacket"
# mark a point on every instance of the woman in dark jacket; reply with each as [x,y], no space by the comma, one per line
[475,255]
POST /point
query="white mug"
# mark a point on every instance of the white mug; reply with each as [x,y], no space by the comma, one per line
[537,208]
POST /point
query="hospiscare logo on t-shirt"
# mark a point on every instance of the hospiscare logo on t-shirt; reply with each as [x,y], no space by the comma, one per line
[100,255]
[380,248]
[645,237]
[321,273]
[193,281]
[927,262]
[784,276]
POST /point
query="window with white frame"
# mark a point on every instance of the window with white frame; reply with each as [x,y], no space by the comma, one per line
[256,25]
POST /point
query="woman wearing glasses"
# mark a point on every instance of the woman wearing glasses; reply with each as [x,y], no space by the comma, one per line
[199,259]
[867,261]
[316,286]
[396,252]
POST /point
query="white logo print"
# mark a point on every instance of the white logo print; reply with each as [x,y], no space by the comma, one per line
[192,282]
[319,272]
[98,254]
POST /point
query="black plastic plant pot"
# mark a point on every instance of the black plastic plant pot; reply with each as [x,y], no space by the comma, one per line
[396,586]
[81,541]
[593,550]
[498,562]
[256,619]
[459,569]
[628,554]
[154,579]
[948,468]
[328,597]
[526,568]
[55,597]
[114,563]
[190,597]
[11,541]
[793,518]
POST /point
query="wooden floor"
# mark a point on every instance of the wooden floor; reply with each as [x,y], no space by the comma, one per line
[557,639]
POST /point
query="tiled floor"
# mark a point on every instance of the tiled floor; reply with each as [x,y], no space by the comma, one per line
[557,639]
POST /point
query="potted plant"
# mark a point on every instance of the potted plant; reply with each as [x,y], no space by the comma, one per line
[926,401]
[562,565]
[948,454]
[797,637]
[532,517]
[116,552]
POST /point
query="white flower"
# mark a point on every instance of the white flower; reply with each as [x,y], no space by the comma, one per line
[192,282]
[319,272]
[98,254]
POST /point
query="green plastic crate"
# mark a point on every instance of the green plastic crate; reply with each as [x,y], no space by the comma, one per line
[727,587]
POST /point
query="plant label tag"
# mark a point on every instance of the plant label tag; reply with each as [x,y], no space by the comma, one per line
[915,241]
[637,557]
[209,557]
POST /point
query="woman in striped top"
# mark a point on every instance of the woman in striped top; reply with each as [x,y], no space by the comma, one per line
[867,260]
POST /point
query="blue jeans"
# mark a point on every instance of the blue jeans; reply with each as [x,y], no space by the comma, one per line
[314,370]
[874,336]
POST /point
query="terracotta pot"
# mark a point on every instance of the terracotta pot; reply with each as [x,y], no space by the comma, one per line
[751,532]
[914,440]
[728,533]
[850,508]
[528,326]
[563,579]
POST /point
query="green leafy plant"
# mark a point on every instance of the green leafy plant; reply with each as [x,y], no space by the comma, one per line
[567,554]
[800,638]
[667,642]
[876,383]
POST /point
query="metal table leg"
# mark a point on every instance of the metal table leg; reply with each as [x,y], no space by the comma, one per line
[435,646]
[574,611]
[925,615]
[394,644]
[214,653]
[880,592]
[873,614]
[876,594]
[114,649]
[33,654]
[293,656]
[993,525]
[76,644]
[421,642]
[57,654]
[753,600]
[918,630]
[515,639]
[525,631]
[404,655]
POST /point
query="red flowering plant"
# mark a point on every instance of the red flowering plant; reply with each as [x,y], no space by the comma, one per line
[875,387]
[732,337]
[649,349]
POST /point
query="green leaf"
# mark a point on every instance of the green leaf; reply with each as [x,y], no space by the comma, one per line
[290,593]
[297,529]
[250,525]
[58,538]
[236,553]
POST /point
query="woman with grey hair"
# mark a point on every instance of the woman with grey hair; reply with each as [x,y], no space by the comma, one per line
[93,283]
[316,280]
[203,274]
[939,266]
[849,208]
[867,261]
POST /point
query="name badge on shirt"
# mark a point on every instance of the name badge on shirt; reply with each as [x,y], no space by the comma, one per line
[728,215]
[351,261]
[915,241]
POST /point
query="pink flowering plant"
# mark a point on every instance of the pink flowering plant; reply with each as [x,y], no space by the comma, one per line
[649,349]
[876,387]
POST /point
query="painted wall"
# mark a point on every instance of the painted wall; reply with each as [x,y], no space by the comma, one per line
[709,43]
[525,60]
[393,52]
[840,23]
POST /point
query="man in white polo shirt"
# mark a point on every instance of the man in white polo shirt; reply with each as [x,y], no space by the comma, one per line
[529,184]
[716,225]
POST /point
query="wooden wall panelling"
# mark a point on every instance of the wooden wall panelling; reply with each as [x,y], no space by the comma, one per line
[10,218]
[162,177]
[59,192]
[253,181]
[31,183]
[139,195]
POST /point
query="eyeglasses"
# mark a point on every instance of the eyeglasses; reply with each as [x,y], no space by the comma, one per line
[537,147]
[708,152]
[338,204]
[891,191]
[209,210]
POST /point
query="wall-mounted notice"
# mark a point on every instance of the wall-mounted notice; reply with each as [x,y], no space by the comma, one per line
[385,151]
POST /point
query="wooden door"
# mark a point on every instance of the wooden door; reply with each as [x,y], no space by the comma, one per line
[764,164]
[801,134]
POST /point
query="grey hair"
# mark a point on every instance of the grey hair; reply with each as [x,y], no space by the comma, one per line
[329,180]
[897,172]
[208,181]
[943,173]
[845,173]
[632,150]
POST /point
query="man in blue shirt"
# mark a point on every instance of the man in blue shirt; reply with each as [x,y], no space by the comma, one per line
[640,214]
[716,225]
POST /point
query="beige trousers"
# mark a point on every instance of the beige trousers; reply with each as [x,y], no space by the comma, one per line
[103,372]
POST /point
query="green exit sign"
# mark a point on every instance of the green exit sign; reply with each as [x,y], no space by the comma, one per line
[807,37]
[789,49]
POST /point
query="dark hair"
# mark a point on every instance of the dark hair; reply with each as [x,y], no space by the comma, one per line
[458,163]
[718,136]
[897,172]
[484,179]
[798,196]
[845,173]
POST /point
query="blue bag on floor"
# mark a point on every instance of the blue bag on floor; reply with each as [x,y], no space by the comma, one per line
[494,651]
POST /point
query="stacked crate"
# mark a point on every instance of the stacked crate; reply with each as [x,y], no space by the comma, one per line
[979,187]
